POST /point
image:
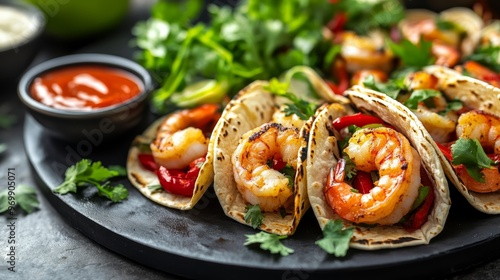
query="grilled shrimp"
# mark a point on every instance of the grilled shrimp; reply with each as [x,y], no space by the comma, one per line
[481,126]
[486,129]
[181,138]
[256,180]
[441,127]
[392,196]
[365,52]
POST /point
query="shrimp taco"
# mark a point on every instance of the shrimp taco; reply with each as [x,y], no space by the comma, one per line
[462,116]
[258,152]
[171,163]
[376,171]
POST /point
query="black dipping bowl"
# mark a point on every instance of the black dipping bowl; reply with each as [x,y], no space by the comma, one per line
[15,58]
[96,125]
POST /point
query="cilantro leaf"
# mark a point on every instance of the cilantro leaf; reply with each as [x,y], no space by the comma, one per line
[335,239]
[487,56]
[470,153]
[254,215]
[87,173]
[289,173]
[350,167]
[300,107]
[392,88]
[25,196]
[155,188]
[421,95]
[364,16]
[270,242]
[453,105]
[412,55]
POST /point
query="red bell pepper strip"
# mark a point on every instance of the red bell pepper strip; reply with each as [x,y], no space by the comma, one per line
[340,71]
[147,161]
[337,23]
[357,119]
[179,182]
[278,164]
[446,151]
[420,216]
[363,182]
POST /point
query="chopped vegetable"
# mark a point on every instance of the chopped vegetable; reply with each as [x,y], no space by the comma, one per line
[300,107]
[413,55]
[470,153]
[335,239]
[270,242]
[254,215]
[87,173]
[24,196]
[238,45]
[363,16]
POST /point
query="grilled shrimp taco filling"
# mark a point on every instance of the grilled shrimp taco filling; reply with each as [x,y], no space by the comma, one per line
[261,145]
[469,138]
[376,171]
[171,163]
[378,179]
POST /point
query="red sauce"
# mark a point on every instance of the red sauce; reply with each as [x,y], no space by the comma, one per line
[85,87]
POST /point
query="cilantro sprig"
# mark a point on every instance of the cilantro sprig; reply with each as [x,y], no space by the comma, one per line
[335,238]
[24,197]
[300,107]
[86,173]
[364,16]
[470,153]
[487,56]
[412,55]
[254,215]
[237,45]
[270,242]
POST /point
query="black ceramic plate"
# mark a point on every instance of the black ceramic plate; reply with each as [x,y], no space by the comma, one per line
[205,244]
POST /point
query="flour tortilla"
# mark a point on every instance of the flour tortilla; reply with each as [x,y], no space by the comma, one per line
[323,153]
[252,107]
[142,178]
[477,95]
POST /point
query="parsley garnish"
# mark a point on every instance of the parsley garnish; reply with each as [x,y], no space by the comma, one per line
[487,56]
[453,105]
[254,215]
[335,239]
[155,188]
[300,107]
[87,173]
[412,55]
[350,167]
[470,153]
[364,16]
[421,95]
[391,88]
[25,197]
[270,242]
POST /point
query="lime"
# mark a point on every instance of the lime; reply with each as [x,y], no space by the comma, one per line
[76,19]
[201,92]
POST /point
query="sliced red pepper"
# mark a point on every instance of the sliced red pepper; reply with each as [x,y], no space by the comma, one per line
[147,161]
[278,163]
[178,181]
[445,150]
[340,71]
[363,182]
[357,119]
[420,216]
[337,23]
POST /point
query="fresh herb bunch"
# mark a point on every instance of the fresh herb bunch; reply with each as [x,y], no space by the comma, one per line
[364,16]
[255,40]
[87,173]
